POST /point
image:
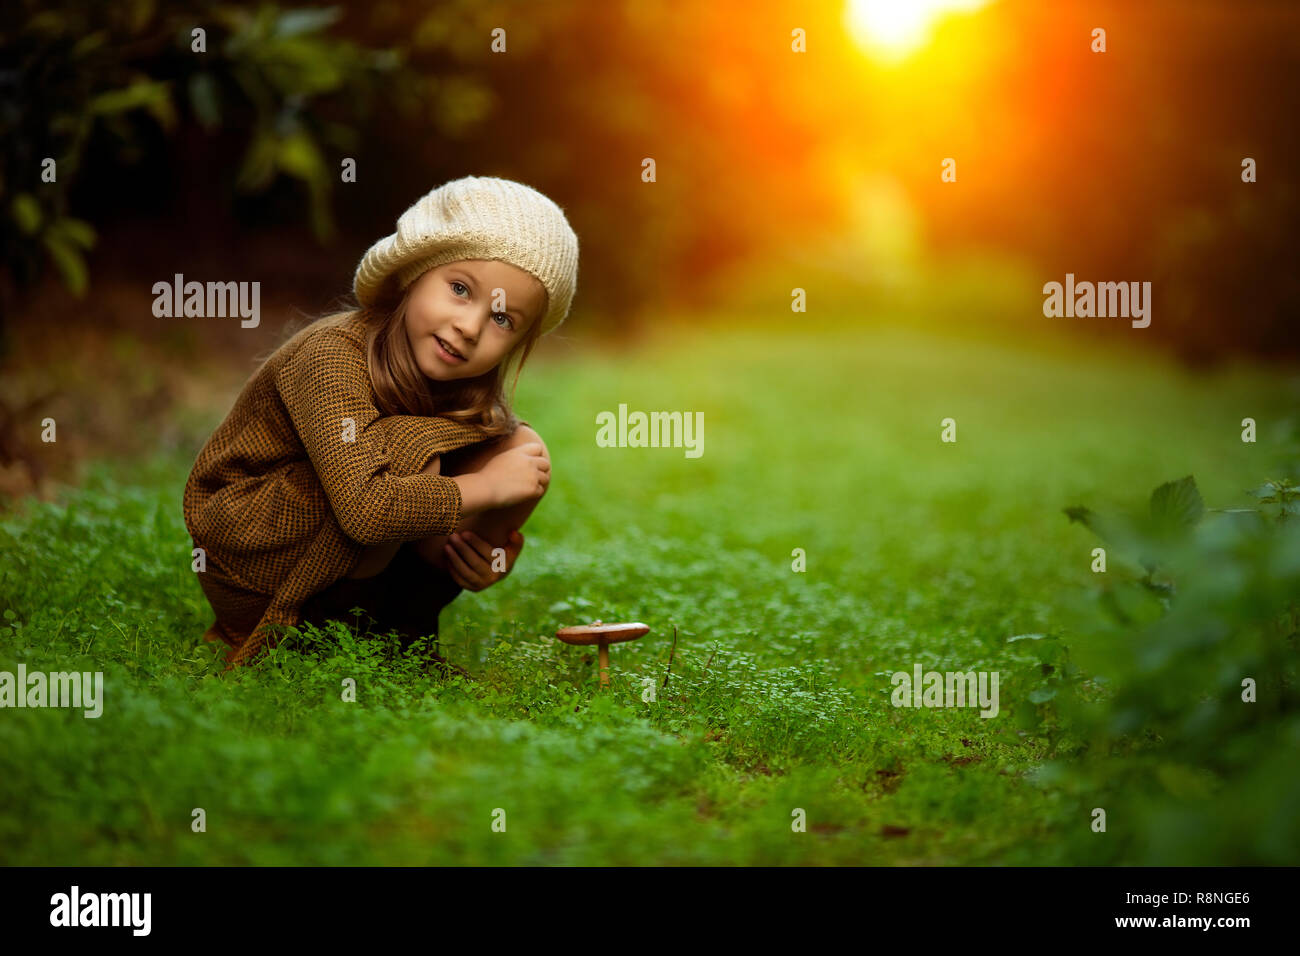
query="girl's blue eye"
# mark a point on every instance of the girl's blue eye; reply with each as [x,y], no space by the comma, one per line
[456,285]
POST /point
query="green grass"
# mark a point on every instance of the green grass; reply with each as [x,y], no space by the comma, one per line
[825,439]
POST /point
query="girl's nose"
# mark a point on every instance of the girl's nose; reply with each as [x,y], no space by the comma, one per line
[471,325]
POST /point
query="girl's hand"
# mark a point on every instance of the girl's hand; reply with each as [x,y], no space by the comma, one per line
[519,474]
[469,559]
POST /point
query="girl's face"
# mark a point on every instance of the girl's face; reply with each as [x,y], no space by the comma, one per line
[455,327]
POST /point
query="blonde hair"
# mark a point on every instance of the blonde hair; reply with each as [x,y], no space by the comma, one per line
[400,388]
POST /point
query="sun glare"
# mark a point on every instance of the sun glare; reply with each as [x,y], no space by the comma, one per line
[892,29]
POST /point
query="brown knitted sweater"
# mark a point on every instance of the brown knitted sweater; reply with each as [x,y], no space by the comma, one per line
[284,504]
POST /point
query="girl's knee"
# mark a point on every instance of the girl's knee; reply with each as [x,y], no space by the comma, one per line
[525,434]
[476,457]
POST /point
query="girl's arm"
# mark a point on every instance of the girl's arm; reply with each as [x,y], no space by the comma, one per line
[326,391]
[476,493]
[415,440]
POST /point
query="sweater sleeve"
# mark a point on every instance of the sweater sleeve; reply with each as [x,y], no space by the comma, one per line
[413,440]
[355,451]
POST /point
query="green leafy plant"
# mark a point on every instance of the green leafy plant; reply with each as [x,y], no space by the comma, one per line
[1196,634]
[1282,492]
[1055,682]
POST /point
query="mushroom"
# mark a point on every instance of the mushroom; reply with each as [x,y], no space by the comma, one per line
[602,635]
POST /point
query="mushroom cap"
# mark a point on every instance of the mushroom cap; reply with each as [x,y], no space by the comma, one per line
[599,633]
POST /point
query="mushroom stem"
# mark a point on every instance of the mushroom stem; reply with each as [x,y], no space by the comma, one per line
[604,664]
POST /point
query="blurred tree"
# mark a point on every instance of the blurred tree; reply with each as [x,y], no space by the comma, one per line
[112,80]
[1115,166]
[582,94]
[1123,165]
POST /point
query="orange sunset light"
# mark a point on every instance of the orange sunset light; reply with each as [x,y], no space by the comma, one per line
[890,30]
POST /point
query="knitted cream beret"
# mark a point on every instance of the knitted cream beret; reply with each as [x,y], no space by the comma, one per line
[477,217]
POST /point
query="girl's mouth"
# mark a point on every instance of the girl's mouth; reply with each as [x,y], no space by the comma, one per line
[448,354]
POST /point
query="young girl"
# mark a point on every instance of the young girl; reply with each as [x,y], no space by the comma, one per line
[373,459]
